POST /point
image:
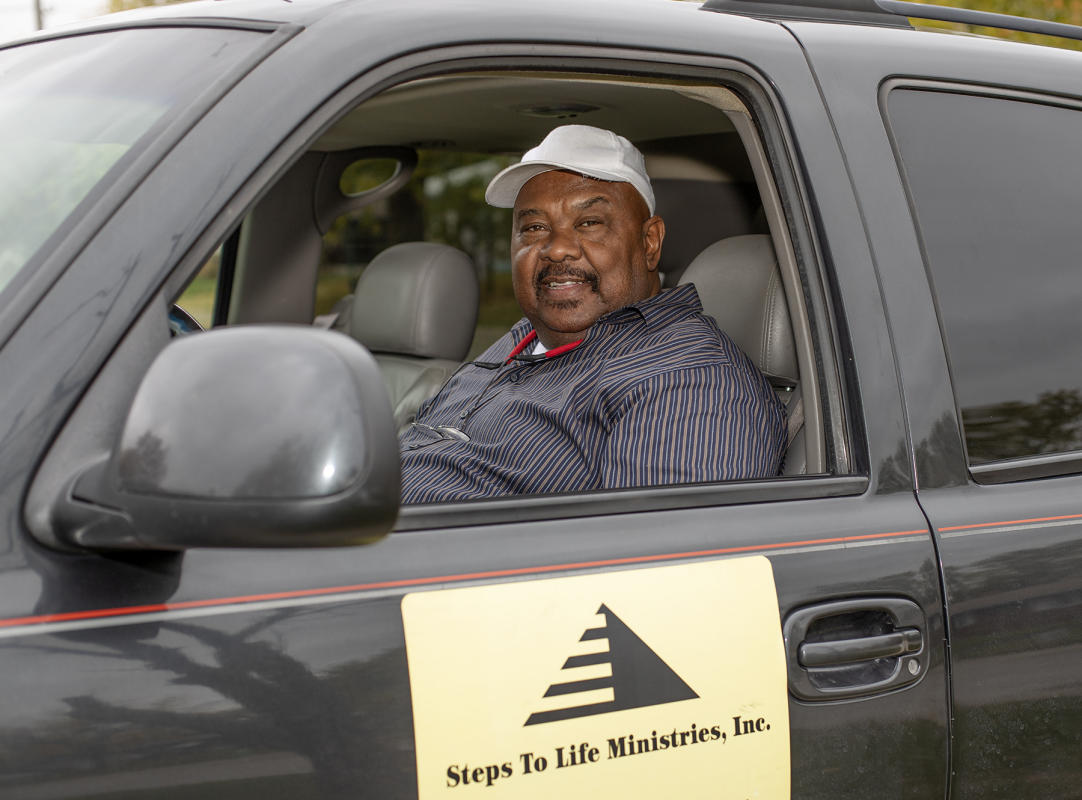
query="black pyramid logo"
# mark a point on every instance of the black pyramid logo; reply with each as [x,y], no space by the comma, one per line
[639,677]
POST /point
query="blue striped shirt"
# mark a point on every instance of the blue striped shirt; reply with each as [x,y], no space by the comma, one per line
[655,394]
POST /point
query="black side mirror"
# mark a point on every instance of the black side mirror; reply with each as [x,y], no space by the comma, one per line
[255,436]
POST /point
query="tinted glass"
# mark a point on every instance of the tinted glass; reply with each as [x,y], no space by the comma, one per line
[996,184]
[72,108]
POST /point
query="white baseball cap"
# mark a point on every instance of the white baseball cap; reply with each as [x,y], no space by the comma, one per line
[584,149]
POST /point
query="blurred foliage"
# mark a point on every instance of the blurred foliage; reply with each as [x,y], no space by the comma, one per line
[126,5]
[198,297]
[444,202]
[1013,429]
[367,174]
[1066,11]
[1052,424]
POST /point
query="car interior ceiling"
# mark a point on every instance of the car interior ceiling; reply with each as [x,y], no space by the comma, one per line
[703,154]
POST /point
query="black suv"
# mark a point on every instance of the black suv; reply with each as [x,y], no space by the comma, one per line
[218,230]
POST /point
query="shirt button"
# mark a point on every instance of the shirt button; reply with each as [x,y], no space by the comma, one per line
[464,414]
[513,377]
[414,446]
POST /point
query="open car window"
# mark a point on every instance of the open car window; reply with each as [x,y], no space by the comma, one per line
[450,134]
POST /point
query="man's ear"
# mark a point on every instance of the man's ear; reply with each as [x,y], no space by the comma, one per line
[653,234]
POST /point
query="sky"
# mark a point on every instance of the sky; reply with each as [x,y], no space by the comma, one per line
[17,16]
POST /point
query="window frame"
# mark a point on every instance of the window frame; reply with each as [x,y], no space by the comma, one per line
[770,134]
[841,435]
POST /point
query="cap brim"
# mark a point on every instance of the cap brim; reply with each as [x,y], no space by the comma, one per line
[503,190]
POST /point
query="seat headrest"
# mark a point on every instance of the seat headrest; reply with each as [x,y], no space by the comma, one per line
[416,299]
[740,287]
[696,213]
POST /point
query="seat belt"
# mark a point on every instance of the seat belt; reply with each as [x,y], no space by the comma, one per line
[794,417]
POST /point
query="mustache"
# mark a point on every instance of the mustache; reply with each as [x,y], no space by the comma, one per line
[566,271]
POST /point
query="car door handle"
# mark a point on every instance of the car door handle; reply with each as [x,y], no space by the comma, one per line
[847,651]
[857,647]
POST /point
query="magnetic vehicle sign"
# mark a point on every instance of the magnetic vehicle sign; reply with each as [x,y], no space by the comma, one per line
[645,682]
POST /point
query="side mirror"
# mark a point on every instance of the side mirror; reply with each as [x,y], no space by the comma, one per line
[255,436]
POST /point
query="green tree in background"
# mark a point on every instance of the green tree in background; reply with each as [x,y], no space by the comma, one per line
[1065,11]
[1051,424]
[127,5]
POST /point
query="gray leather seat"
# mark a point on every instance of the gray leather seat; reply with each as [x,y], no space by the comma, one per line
[415,309]
[740,287]
[696,213]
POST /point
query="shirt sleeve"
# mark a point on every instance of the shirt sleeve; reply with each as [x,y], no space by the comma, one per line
[695,426]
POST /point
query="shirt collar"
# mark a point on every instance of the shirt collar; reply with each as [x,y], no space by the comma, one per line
[663,308]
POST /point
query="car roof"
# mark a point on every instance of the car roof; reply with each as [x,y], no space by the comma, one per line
[308,12]
[858,17]
[303,12]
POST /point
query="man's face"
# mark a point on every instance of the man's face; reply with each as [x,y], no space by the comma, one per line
[581,248]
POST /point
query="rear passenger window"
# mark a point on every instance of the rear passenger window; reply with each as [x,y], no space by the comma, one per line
[995,183]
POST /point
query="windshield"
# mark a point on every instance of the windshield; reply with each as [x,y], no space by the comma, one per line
[73,109]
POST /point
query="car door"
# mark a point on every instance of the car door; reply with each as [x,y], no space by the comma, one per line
[985,328]
[774,636]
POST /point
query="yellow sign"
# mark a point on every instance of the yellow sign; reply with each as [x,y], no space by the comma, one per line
[661,682]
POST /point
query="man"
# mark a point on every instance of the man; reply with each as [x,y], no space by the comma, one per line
[609,381]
